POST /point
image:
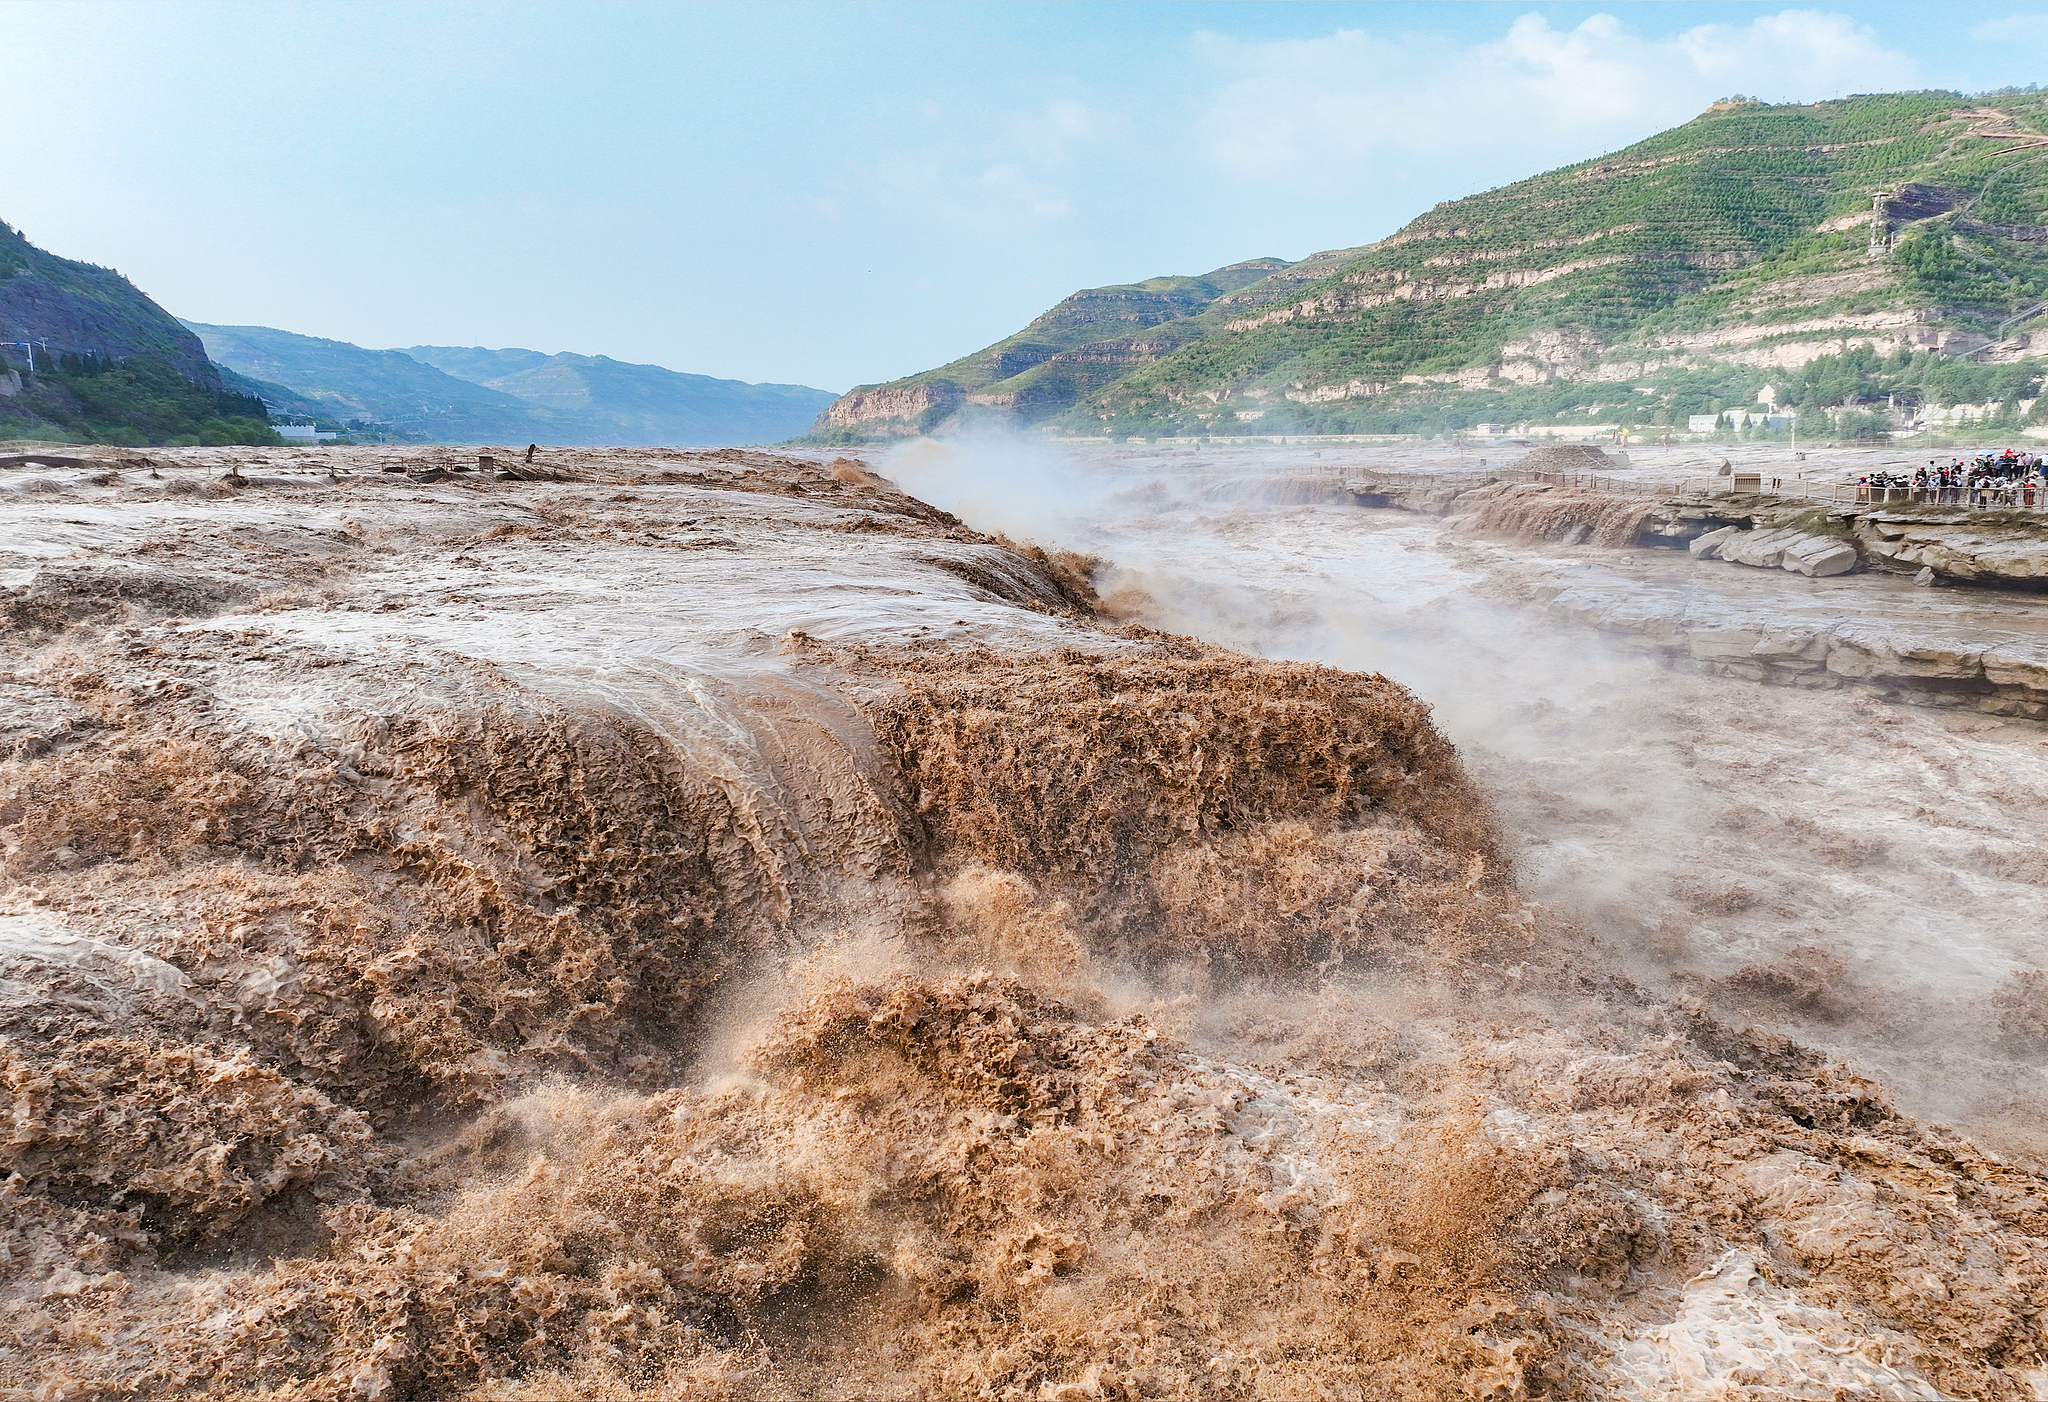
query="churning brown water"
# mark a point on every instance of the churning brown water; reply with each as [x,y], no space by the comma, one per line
[713,926]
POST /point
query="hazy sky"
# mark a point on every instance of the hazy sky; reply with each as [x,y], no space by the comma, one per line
[826,193]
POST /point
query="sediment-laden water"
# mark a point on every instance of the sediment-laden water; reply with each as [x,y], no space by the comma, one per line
[713,926]
[1867,876]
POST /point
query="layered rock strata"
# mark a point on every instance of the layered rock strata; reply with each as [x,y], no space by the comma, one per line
[1778,547]
[2001,548]
[1929,661]
[2000,673]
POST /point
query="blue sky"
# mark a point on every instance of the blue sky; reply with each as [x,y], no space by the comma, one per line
[829,193]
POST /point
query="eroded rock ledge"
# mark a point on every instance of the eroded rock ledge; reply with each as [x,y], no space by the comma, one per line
[1920,656]
[2002,549]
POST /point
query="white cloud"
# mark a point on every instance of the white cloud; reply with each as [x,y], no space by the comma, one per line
[2031,30]
[973,197]
[1049,135]
[989,171]
[1326,111]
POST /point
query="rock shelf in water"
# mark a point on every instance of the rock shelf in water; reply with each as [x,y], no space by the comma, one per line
[1866,637]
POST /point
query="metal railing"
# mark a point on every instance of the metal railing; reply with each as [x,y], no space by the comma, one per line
[1587,481]
[2012,497]
[2004,498]
[1792,488]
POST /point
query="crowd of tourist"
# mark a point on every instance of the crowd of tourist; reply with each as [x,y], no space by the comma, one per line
[2006,479]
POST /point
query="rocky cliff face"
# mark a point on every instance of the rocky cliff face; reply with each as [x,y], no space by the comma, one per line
[67,307]
[86,357]
[892,410]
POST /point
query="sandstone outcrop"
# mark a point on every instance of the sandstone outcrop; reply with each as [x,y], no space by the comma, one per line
[1916,661]
[2002,548]
[1429,493]
[892,409]
[1986,548]
[1783,547]
[1912,660]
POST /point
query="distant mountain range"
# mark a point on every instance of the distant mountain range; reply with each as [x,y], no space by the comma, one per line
[1687,273]
[475,395]
[86,356]
[636,403]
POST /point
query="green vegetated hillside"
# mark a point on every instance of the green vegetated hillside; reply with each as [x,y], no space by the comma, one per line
[1087,342]
[636,404]
[90,358]
[1681,275]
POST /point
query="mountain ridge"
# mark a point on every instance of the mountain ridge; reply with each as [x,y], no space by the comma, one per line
[647,403]
[475,394]
[1070,348]
[69,307]
[353,384]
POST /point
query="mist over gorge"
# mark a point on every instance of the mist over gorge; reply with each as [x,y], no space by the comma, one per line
[939,909]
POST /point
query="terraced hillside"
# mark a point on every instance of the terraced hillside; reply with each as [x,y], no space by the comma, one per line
[1685,272]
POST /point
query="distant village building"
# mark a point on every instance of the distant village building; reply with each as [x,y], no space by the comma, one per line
[304,433]
[1736,418]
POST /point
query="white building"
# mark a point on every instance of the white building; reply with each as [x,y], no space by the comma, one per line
[1735,418]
